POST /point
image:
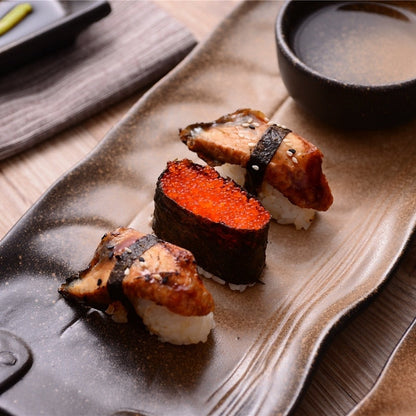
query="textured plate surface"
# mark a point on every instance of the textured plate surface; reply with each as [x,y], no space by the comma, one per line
[266,339]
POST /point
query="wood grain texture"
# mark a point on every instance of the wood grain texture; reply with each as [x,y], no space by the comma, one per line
[394,392]
[355,358]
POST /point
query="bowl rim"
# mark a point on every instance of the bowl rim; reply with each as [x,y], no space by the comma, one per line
[300,65]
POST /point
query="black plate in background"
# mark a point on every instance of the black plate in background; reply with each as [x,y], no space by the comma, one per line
[51,25]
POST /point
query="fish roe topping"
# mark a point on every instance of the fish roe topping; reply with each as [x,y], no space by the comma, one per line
[201,190]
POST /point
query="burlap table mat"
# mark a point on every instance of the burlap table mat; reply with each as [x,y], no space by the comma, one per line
[131,48]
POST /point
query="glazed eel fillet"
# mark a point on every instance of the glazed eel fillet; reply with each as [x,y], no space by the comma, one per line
[131,269]
[269,152]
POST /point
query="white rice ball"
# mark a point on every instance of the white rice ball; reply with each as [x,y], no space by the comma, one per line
[172,327]
[282,210]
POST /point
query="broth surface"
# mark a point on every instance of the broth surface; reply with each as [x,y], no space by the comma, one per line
[367,44]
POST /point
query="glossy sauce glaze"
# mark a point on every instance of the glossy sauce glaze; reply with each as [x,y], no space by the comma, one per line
[359,43]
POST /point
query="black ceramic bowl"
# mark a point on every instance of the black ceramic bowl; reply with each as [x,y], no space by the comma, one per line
[342,103]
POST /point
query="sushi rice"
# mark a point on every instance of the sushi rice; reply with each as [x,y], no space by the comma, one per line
[172,327]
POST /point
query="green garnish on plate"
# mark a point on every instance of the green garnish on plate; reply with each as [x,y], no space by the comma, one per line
[14,16]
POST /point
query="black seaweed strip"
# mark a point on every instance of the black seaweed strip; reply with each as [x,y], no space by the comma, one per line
[261,156]
[124,261]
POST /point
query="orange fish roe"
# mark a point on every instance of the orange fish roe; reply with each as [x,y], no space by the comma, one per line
[202,191]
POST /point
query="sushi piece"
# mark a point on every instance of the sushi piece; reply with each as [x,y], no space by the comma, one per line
[154,278]
[281,167]
[219,222]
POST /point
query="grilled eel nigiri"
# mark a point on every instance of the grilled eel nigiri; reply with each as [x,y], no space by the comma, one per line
[269,152]
[158,279]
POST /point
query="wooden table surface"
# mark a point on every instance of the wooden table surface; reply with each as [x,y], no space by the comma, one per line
[25,177]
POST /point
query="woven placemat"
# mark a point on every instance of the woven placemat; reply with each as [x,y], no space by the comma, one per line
[130,49]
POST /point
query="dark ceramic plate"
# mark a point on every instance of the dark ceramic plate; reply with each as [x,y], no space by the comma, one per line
[259,356]
[51,24]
